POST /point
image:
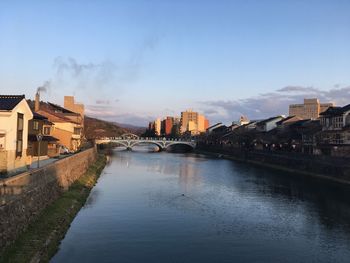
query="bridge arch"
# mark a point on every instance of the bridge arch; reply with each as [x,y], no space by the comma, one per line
[122,143]
[179,143]
[161,147]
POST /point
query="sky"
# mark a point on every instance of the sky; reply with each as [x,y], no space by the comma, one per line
[131,61]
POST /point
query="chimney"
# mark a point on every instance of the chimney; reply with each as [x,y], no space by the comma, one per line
[37,101]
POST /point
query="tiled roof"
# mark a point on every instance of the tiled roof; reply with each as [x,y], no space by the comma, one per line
[217,124]
[61,109]
[37,116]
[9,102]
[300,123]
[268,120]
[55,116]
[334,111]
[284,120]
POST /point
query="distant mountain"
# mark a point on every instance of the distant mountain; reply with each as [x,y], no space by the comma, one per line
[131,128]
[99,128]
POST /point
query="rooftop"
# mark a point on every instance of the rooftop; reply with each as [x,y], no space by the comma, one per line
[269,119]
[9,102]
[334,111]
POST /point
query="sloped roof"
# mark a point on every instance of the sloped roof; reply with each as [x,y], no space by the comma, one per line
[58,107]
[37,116]
[9,102]
[53,112]
[300,123]
[217,124]
[288,119]
[55,116]
[268,120]
[333,111]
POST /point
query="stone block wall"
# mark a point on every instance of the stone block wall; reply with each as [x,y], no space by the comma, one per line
[24,196]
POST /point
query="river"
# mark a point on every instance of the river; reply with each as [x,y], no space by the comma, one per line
[166,207]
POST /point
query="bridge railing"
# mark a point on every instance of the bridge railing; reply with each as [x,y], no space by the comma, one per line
[147,139]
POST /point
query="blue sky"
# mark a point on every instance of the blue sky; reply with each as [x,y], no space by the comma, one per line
[131,61]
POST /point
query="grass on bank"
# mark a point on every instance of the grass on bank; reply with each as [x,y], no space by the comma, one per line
[40,241]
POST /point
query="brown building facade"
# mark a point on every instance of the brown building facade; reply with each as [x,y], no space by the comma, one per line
[310,109]
[68,125]
[40,125]
[193,122]
[167,125]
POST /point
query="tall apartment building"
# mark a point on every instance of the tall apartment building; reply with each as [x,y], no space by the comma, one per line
[167,125]
[157,126]
[193,122]
[188,121]
[310,109]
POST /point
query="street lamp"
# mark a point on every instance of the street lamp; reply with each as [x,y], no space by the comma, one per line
[39,137]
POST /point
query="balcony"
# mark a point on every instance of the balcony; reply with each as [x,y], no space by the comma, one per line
[76,136]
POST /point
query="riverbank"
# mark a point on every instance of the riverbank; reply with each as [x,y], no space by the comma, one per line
[39,242]
[323,168]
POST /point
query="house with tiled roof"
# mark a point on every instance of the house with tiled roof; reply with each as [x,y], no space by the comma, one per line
[335,136]
[68,125]
[14,116]
[268,124]
[47,145]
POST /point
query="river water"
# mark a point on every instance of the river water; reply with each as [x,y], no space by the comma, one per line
[164,207]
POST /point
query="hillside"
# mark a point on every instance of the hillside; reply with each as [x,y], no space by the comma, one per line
[98,128]
[131,128]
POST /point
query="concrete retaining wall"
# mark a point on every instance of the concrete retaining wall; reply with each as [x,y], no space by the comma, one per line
[24,196]
[327,167]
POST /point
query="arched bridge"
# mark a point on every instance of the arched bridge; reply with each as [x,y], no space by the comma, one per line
[130,140]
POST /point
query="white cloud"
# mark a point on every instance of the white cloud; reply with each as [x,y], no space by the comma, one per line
[272,103]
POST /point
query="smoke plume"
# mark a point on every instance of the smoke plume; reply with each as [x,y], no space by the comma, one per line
[44,88]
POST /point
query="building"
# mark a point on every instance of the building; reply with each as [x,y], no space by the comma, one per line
[167,126]
[310,109]
[68,125]
[193,122]
[243,120]
[334,139]
[286,122]
[203,123]
[268,124]
[70,104]
[15,114]
[157,127]
[310,131]
[188,121]
[41,126]
[211,128]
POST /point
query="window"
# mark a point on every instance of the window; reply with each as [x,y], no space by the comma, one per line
[35,125]
[77,131]
[47,130]
[2,141]
[19,141]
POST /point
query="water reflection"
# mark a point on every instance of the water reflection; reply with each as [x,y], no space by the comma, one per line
[156,207]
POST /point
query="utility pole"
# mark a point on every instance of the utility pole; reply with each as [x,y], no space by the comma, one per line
[39,137]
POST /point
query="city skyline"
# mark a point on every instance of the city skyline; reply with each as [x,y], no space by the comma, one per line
[145,59]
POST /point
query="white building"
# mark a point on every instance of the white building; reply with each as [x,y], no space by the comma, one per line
[14,116]
[268,124]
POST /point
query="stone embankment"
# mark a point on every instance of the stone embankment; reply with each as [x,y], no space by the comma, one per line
[326,167]
[24,196]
